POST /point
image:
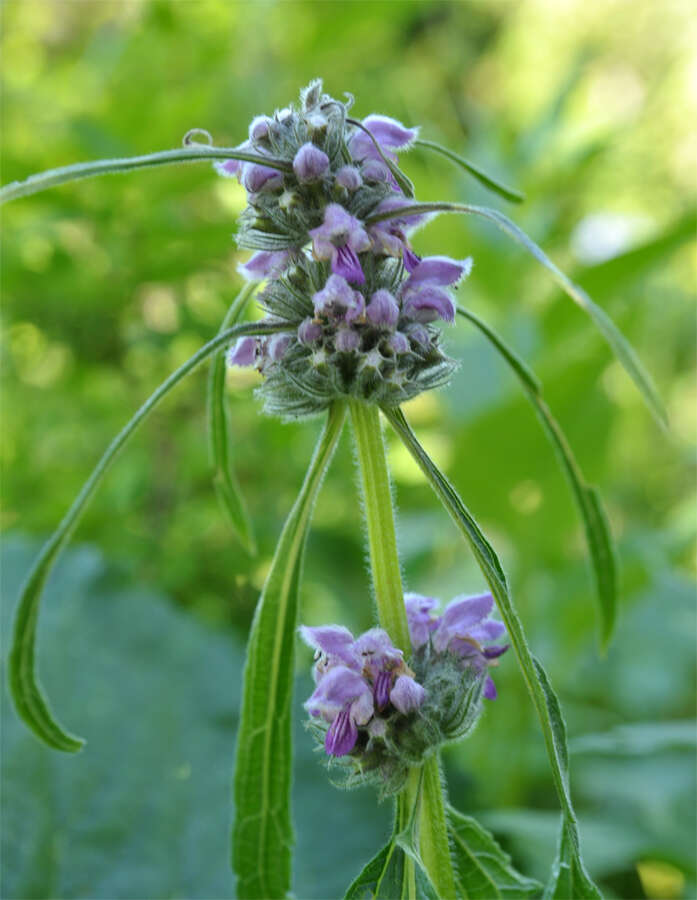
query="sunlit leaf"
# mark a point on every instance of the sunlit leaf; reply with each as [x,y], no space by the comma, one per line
[262,833]
[25,686]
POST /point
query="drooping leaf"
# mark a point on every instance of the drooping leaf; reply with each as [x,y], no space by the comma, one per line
[484,871]
[618,343]
[597,530]
[262,833]
[490,183]
[224,481]
[544,699]
[53,177]
[25,687]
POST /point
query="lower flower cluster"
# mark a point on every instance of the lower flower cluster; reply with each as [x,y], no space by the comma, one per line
[376,715]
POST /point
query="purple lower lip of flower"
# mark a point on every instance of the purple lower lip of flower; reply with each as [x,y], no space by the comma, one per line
[340,238]
[243,352]
[310,163]
[345,262]
[427,303]
[381,689]
[489,691]
[265,264]
[410,259]
[342,735]
[495,652]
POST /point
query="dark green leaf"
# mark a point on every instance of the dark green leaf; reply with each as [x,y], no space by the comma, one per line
[394,874]
[262,833]
[484,871]
[25,686]
[598,537]
[618,343]
[224,481]
[492,184]
[544,699]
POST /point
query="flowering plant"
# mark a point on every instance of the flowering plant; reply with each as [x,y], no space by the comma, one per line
[352,325]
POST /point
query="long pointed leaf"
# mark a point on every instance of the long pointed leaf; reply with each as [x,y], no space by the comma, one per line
[53,177]
[262,834]
[598,536]
[224,481]
[618,343]
[490,183]
[25,687]
[484,871]
[544,699]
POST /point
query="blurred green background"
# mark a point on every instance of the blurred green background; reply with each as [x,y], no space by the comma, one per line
[109,284]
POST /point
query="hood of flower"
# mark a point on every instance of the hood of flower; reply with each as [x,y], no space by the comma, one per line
[308,224]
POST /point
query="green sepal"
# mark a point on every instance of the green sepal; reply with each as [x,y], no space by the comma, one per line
[483,869]
[25,687]
[595,523]
[262,834]
[226,485]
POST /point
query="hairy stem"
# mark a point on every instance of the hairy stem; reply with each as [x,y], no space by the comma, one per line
[389,597]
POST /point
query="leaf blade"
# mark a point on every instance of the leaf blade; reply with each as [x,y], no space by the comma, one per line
[484,869]
[224,482]
[595,523]
[543,697]
[492,184]
[262,833]
[25,686]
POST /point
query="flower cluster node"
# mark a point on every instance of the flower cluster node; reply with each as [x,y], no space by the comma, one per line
[375,715]
[362,309]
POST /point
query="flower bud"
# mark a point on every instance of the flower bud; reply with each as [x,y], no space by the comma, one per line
[349,177]
[347,339]
[309,331]
[243,352]
[259,128]
[310,163]
[383,309]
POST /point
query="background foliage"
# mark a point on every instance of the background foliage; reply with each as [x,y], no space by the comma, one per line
[108,284]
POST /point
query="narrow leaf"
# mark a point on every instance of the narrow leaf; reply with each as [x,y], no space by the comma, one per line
[544,699]
[25,687]
[484,871]
[53,177]
[224,481]
[492,184]
[618,343]
[597,530]
[262,834]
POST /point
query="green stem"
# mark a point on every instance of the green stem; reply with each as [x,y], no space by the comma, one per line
[379,517]
[389,598]
[54,177]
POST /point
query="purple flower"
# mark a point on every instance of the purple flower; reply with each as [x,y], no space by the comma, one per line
[375,170]
[259,128]
[421,624]
[256,178]
[343,699]
[340,239]
[310,163]
[381,662]
[389,237]
[398,343]
[347,339]
[334,644]
[276,346]
[383,309]
[389,133]
[338,301]
[426,304]
[407,694]
[243,352]
[349,177]
[438,271]
[230,168]
[265,264]
[309,331]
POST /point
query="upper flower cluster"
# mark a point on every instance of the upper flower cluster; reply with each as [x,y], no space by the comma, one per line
[359,304]
[380,715]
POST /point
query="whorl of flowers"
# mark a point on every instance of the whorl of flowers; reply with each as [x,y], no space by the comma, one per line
[360,305]
[375,714]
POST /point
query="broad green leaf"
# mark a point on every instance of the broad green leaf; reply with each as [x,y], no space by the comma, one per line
[224,481]
[262,833]
[388,876]
[25,687]
[598,537]
[546,703]
[484,871]
[618,343]
[53,177]
[492,184]
[145,811]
